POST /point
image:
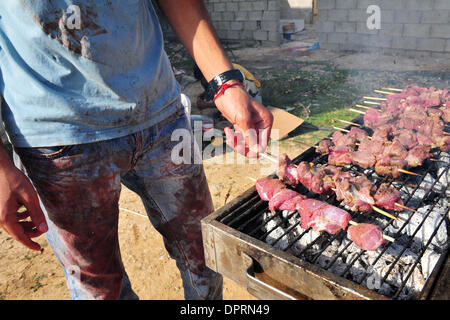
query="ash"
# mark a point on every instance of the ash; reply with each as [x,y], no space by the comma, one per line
[397,270]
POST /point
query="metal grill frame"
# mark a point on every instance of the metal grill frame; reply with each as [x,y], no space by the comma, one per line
[229,250]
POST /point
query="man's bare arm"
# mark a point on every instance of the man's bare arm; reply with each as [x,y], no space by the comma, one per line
[251,121]
[16,190]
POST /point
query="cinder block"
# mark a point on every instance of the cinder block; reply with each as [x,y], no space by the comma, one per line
[380,41]
[408,16]
[273,5]
[418,4]
[418,54]
[232,6]
[216,16]
[387,16]
[441,55]
[345,27]
[228,16]
[391,29]
[274,36]
[219,7]
[270,25]
[346,4]
[250,25]
[338,15]
[364,4]
[233,35]
[436,16]
[447,46]
[241,15]
[236,25]
[404,43]
[271,15]
[246,35]
[223,25]
[260,35]
[337,37]
[437,45]
[326,4]
[245,6]
[441,4]
[416,30]
[440,31]
[390,4]
[357,15]
[255,15]
[325,26]
[361,27]
[259,5]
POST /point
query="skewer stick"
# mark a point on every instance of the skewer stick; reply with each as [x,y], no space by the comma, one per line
[375,98]
[393,89]
[348,122]
[270,158]
[384,213]
[358,111]
[404,207]
[341,129]
[409,172]
[366,107]
[350,222]
[370,102]
[388,238]
[383,92]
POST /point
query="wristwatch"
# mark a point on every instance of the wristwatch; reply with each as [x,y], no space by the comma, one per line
[217,82]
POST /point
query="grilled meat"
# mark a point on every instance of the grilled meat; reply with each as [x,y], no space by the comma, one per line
[366,236]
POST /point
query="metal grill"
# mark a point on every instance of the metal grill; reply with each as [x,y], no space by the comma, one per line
[252,218]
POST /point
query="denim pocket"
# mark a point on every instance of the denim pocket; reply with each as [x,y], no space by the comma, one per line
[44,152]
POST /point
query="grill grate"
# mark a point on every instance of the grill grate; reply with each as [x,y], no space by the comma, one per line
[253,218]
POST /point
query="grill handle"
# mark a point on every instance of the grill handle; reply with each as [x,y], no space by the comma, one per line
[259,288]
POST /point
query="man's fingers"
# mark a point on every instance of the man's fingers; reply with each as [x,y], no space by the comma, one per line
[31,202]
[22,215]
[18,233]
[29,229]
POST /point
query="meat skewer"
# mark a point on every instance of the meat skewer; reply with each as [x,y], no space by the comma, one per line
[341,151]
[356,192]
[329,179]
[318,215]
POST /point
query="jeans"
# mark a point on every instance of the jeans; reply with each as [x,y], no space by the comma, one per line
[79,188]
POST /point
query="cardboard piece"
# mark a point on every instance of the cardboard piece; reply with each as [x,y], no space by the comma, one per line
[283,123]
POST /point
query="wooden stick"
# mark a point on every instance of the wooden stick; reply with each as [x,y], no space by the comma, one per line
[366,107]
[348,122]
[370,102]
[409,172]
[341,129]
[350,222]
[393,89]
[384,213]
[358,111]
[374,98]
[404,207]
[270,158]
[383,92]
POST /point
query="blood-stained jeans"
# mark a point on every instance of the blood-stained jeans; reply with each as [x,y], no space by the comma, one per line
[79,188]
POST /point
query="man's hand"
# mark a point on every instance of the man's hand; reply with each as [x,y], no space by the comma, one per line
[16,190]
[252,122]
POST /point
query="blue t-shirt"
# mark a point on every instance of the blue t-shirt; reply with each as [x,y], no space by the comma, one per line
[79,71]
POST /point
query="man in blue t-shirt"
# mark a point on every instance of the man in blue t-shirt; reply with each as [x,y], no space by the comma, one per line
[89,103]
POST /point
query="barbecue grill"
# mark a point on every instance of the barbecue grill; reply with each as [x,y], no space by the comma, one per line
[271,256]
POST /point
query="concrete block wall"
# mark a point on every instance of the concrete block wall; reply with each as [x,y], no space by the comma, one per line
[411,27]
[246,20]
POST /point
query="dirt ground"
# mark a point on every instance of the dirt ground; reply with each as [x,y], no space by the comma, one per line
[25,274]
